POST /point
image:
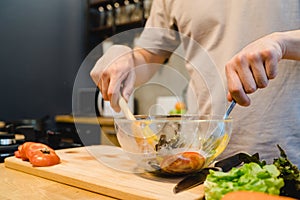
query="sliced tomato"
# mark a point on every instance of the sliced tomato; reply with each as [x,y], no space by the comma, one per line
[183,163]
[44,157]
[38,154]
[23,149]
[32,148]
[17,154]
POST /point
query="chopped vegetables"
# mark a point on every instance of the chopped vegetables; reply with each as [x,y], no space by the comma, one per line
[290,174]
[38,154]
[280,178]
[44,157]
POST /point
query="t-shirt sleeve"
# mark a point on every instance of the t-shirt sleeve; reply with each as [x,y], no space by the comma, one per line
[160,34]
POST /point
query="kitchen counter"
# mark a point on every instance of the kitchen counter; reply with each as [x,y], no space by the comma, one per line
[106,123]
[17,185]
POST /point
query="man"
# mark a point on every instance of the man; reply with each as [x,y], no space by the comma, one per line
[212,33]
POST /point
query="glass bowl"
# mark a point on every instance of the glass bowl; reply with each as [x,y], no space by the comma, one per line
[173,144]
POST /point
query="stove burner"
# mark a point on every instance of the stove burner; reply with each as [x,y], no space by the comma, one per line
[7,139]
[7,145]
[35,130]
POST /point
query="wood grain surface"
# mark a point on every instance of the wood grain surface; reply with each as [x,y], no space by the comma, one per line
[16,185]
[106,170]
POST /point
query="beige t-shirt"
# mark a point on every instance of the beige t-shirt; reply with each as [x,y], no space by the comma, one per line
[211,32]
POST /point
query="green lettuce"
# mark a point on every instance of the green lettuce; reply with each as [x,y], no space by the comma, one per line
[249,177]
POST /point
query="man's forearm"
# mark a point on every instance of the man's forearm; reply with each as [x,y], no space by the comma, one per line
[146,65]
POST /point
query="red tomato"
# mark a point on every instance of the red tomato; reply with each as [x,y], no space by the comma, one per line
[32,148]
[23,149]
[17,154]
[44,157]
[38,154]
[183,163]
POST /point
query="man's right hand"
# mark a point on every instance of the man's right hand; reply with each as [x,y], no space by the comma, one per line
[114,73]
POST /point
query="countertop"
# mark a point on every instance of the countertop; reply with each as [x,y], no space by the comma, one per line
[17,185]
[108,121]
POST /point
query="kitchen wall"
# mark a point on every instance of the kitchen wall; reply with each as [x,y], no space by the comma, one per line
[42,44]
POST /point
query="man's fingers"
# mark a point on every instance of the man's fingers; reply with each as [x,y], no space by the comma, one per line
[258,70]
[235,87]
[114,102]
[105,81]
[113,92]
[271,67]
[244,74]
[128,85]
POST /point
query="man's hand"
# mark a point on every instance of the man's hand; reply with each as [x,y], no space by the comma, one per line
[252,68]
[120,69]
[112,72]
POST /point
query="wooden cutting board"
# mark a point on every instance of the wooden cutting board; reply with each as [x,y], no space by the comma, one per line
[106,170]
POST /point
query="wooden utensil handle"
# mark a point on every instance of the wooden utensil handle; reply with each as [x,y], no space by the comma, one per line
[125,109]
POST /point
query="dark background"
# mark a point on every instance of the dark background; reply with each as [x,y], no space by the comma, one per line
[42,45]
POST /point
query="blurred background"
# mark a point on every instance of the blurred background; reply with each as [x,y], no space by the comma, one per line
[43,46]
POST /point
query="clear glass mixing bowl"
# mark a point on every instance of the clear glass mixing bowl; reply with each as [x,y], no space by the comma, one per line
[173,144]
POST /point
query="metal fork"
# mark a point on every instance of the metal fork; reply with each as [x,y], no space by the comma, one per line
[219,131]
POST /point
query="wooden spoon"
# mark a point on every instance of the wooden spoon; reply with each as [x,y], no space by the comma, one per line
[125,109]
[144,137]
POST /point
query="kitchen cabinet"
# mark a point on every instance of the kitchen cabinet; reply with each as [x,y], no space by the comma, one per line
[109,17]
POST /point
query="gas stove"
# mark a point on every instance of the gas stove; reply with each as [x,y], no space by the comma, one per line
[8,145]
[14,134]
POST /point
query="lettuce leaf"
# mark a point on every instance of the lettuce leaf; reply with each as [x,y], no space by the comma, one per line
[249,177]
[290,174]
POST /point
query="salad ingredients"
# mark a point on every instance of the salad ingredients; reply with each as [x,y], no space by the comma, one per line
[31,149]
[249,177]
[183,163]
[38,154]
[23,149]
[288,171]
[290,174]
[44,157]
